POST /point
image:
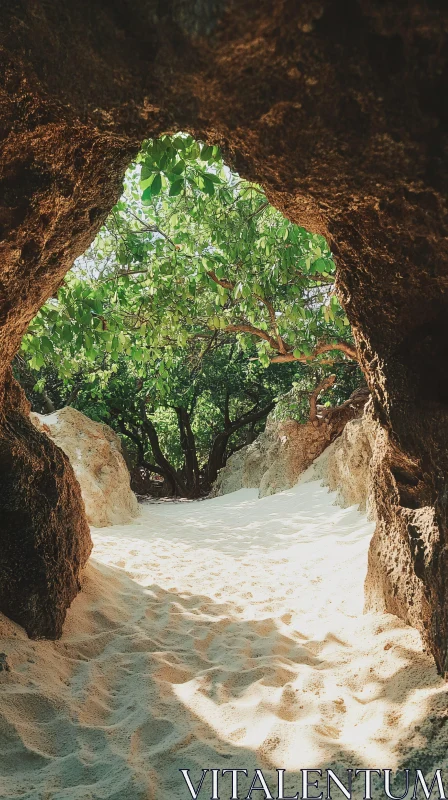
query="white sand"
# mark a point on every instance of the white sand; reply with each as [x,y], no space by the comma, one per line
[225,633]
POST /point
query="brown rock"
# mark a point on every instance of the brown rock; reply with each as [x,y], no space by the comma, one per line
[339,110]
[45,539]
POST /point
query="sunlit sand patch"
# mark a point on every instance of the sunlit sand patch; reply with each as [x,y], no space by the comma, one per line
[225,633]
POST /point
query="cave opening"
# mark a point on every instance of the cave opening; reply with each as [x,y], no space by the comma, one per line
[339,112]
[197,312]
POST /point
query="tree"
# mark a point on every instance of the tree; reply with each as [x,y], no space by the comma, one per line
[207,410]
[167,325]
[211,405]
[193,252]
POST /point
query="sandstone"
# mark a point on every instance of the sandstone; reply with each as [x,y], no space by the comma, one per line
[278,457]
[345,466]
[94,451]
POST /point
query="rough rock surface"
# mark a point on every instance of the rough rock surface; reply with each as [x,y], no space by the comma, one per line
[233,476]
[276,459]
[94,451]
[345,466]
[339,109]
[294,447]
[45,539]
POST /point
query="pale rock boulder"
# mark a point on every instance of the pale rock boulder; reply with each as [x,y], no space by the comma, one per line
[230,478]
[94,451]
[345,466]
[281,454]
[246,467]
[275,460]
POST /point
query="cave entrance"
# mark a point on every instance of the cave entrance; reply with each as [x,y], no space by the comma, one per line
[197,311]
[342,118]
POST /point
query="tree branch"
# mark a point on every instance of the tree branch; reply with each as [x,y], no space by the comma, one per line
[314,396]
[320,348]
[281,344]
[251,416]
[284,350]
[221,281]
[257,210]
[255,332]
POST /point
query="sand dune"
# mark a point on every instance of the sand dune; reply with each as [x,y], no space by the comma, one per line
[224,633]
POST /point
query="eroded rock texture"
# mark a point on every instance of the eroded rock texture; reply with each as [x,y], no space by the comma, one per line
[94,451]
[274,461]
[339,107]
[45,539]
[345,466]
[286,448]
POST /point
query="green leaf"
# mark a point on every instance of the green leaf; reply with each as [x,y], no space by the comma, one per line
[46,345]
[208,186]
[211,177]
[156,185]
[176,187]
[320,265]
[146,172]
[37,361]
[67,333]
[179,167]
[206,153]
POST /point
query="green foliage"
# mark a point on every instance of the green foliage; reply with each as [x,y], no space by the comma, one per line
[193,287]
[190,251]
[173,164]
[223,378]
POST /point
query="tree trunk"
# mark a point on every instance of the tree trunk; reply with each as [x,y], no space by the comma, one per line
[167,469]
[188,445]
[216,459]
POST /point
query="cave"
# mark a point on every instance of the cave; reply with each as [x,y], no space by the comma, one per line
[339,110]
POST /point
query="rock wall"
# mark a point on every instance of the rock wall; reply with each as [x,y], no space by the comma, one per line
[274,461]
[366,467]
[277,458]
[94,451]
[338,109]
[45,539]
[345,466]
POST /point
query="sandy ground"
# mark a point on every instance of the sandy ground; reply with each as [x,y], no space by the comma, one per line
[227,633]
